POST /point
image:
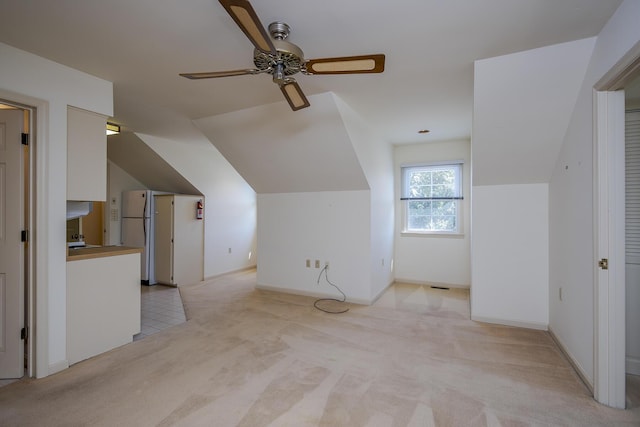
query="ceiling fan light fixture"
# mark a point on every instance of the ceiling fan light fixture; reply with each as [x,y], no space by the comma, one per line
[278,73]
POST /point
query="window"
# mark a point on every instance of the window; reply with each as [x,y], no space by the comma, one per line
[431,197]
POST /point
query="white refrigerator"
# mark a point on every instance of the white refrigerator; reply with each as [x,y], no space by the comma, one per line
[137,229]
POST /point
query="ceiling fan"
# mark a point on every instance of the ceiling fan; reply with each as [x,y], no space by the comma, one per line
[274,55]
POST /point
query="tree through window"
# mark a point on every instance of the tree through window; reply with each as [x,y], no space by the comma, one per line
[431,197]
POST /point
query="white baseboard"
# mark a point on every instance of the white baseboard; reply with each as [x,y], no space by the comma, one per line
[436,284]
[239,270]
[54,368]
[572,361]
[633,365]
[379,294]
[309,294]
[508,322]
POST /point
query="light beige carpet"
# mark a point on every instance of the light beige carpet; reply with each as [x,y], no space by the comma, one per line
[257,358]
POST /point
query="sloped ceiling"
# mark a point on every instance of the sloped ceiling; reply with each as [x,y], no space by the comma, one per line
[523,104]
[142,45]
[280,151]
[137,159]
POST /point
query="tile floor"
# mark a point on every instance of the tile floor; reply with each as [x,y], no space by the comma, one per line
[161,308]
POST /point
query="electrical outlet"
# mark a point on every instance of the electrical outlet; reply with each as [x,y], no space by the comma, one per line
[326,264]
[229,250]
[317,263]
[308,263]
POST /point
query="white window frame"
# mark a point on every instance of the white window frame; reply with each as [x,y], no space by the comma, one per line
[406,197]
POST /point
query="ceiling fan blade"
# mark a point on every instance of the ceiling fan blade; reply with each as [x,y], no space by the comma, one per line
[346,65]
[214,74]
[242,12]
[295,97]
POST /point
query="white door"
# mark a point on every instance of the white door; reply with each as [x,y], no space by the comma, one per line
[11,246]
[164,239]
[609,358]
[188,245]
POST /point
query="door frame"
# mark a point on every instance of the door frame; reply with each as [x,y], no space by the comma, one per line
[609,230]
[36,276]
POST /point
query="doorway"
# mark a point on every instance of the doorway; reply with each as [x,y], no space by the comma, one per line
[16,354]
[632,242]
[609,231]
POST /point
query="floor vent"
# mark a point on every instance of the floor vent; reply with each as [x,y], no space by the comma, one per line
[440,287]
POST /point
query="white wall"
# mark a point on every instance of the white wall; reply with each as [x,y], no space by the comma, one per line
[325,184]
[376,158]
[523,103]
[230,203]
[434,259]
[572,255]
[21,80]
[510,255]
[277,150]
[331,226]
[521,107]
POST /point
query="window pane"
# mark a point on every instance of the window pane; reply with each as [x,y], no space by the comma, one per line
[438,181]
[420,184]
[432,215]
[446,176]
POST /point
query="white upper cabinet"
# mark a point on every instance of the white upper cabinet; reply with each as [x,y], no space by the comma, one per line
[86,155]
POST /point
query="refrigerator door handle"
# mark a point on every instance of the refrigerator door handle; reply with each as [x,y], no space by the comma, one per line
[144,223]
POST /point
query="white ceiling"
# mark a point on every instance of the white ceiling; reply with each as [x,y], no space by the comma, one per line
[430,46]
[284,156]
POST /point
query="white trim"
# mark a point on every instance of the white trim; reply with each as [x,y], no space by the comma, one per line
[572,361]
[379,294]
[451,235]
[442,163]
[515,323]
[216,276]
[622,73]
[54,368]
[437,284]
[609,222]
[38,281]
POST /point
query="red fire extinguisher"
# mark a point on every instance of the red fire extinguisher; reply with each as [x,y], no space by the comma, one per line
[199,209]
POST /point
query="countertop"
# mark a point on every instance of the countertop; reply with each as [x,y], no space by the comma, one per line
[100,252]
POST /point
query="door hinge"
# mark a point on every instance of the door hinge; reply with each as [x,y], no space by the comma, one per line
[603,264]
[24,236]
[25,139]
[24,333]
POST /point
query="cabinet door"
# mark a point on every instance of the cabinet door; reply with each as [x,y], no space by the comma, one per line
[86,155]
[163,246]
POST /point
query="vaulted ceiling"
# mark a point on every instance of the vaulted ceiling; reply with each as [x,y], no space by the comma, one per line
[430,46]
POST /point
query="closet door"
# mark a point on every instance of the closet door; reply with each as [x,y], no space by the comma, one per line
[632,240]
[164,239]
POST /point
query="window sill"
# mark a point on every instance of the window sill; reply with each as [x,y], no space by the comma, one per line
[432,234]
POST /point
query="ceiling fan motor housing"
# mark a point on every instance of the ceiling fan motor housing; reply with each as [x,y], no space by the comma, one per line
[287,54]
